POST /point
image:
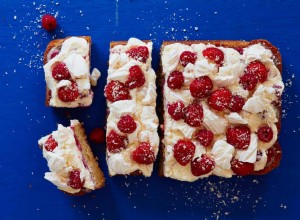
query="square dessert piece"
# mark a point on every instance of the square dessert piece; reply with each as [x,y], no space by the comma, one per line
[131,137]
[221,108]
[73,167]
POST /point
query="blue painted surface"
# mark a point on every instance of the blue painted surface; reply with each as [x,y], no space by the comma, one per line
[24,118]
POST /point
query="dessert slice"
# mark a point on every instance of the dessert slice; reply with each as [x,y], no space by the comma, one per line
[221,104]
[131,137]
[73,167]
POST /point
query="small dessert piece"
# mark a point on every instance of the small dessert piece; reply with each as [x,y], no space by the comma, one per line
[131,138]
[73,167]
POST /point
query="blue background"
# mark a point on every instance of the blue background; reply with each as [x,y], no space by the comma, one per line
[24,117]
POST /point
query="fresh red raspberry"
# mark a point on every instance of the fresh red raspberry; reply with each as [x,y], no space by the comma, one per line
[214,54]
[238,136]
[50,144]
[205,137]
[60,71]
[54,54]
[49,22]
[143,154]
[140,53]
[175,80]
[203,165]
[237,103]
[136,77]
[241,168]
[74,179]
[116,90]
[201,87]
[68,93]
[126,124]
[193,114]
[184,151]
[187,57]
[239,49]
[220,99]
[248,81]
[175,109]
[97,136]
[258,69]
[115,142]
[265,134]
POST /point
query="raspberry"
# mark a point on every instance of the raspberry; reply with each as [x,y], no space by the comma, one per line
[258,69]
[241,168]
[237,103]
[220,99]
[265,134]
[126,124]
[68,93]
[143,154]
[50,144]
[203,165]
[116,90]
[193,114]
[115,142]
[205,137]
[175,109]
[201,87]
[54,54]
[238,136]
[136,77]
[175,80]
[97,136]
[49,22]
[239,49]
[187,57]
[60,71]
[248,81]
[184,151]
[74,179]
[140,53]
[214,54]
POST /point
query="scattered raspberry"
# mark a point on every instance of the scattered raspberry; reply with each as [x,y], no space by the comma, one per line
[115,142]
[241,168]
[126,124]
[175,80]
[205,137]
[49,22]
[140,53]
[220,99]
[175,109]
[193,114]
[54,54]
[136,77]
[116,90]
[203,165]
[258,69]
[187,57]
[97,136]
[201,87]
[248,81]
[68,93]
[50,144]
[238,136]
[184,151]
[60,71]
[74,179]
[265,134]
[214,54]
[237,103]
[143,154]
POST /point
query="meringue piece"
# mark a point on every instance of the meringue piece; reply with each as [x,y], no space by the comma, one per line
[222,153]
[204,68]
[235,118]
[257,52]
[255,104]
[122,107]
[63,83]
[122,73]
[96,74]
[186,130]
[76,65]
[248,155]
[76,45]
[261,163]
[118,165]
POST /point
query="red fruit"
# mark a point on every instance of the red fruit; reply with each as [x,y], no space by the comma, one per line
[220,99]
[126,124]
[74,179]
[265,134]
[238,136]
[116,90]
[248,81]
[140,53]
[60,71]
[241,168]
[54,54]
[237,103]
[175,109]
[68,93]
[115,142]
[175,80]
[239,49]
[187,57]
[258,69]
[214,54]
[193,114]
[143,154]
[201,87]
[203,165]
[184,151]
[50,144]
[49,22]
[97,136]
[205,137]
[136,77]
